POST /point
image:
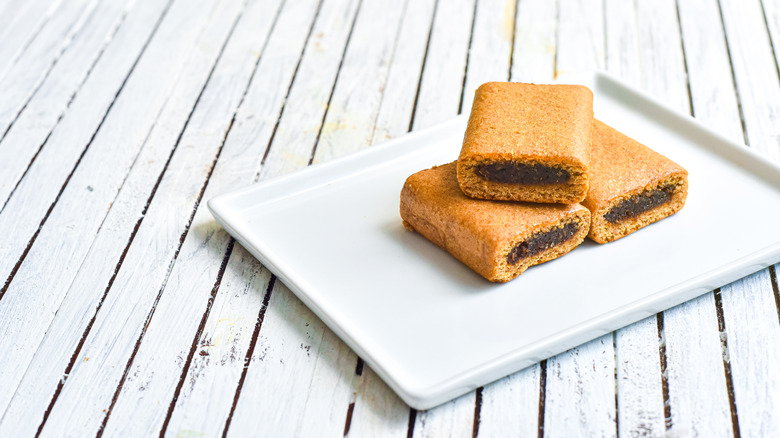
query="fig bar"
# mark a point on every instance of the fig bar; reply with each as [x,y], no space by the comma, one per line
[631,186]
[498,240]
[527,142]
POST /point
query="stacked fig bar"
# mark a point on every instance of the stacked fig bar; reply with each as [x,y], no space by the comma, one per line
[536,175]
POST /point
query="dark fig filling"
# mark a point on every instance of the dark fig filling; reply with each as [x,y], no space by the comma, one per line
[521,173]
[541,241]
[638,204]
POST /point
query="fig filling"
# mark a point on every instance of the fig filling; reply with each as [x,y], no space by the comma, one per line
[541,241]
[640,203]
[521,173]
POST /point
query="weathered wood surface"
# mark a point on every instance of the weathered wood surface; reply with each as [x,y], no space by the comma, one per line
[126,310]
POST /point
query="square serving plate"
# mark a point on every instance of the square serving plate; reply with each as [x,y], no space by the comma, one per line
[432,328]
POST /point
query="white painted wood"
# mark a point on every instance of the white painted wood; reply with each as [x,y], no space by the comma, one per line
[490,51]
[755,73]
[378,411]
[771,9]
[580,46]
[400,94]
[45,49]
[295,353]
[65,239]
[622,38]
[580,391]
[750,316]
[19,25]
[536,26]
[41,186]
[206,399]
[660,53]
[510,406]
[709,68]
[357,96]
[697,398]
[49,104]
[445,65]
[640,398]
[81,406]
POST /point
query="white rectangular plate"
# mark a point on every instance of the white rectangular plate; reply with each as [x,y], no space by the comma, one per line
[432,328]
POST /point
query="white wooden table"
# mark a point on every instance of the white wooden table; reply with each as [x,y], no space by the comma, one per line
[126,310]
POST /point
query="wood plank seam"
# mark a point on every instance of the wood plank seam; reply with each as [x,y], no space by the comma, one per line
[67,106]
[33,35]
[664,374]
[542,395]
[726,363]
[81,156]
[773,279]
[685,58]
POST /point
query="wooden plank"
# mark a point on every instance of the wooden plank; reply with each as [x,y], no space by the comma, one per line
[752,336]
[771,9]
[109,345]
[580,391]
[41,186]
[47,107]
[357,96]
[697,392]
[709,68]
[441,86]
[510,406]
[19,25]
[34,65]
[206,398]
[622,38]
[398,101]
[536,28]
[157,85]
[755,73]
[490,50]
[580,46]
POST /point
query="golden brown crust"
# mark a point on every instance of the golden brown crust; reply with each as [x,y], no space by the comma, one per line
[621,168]
[540,124]
[481,233]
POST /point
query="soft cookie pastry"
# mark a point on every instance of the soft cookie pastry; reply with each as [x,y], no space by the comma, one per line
[631,186]
[498,240]
[527,142]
